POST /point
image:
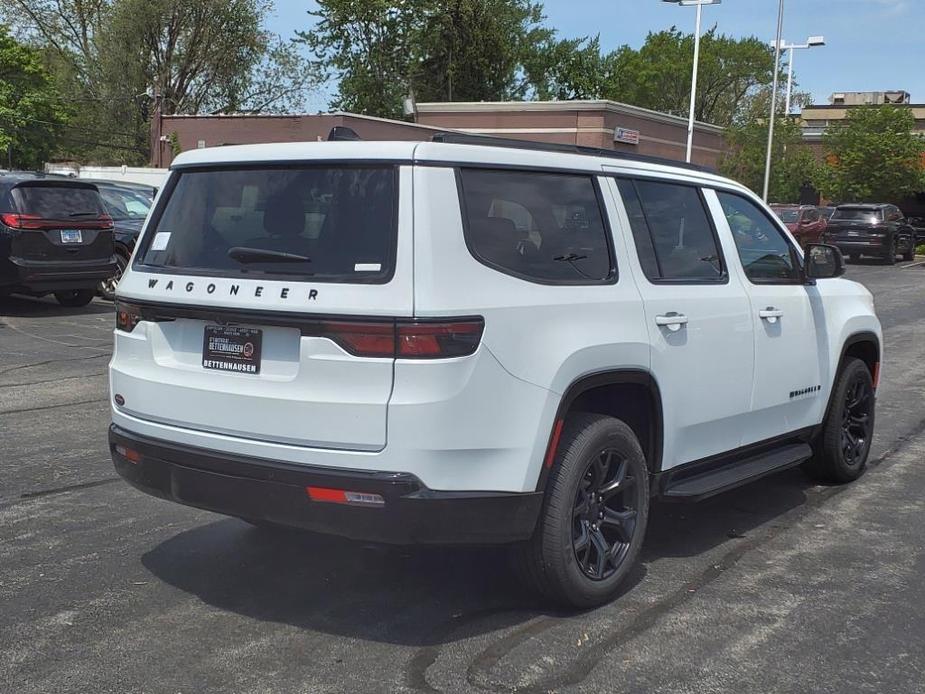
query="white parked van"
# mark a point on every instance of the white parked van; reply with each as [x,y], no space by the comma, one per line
[479,341]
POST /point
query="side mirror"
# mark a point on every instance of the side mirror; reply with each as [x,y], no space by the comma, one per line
[823,261]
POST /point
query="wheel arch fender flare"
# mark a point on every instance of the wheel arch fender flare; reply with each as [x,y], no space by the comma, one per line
[602,379]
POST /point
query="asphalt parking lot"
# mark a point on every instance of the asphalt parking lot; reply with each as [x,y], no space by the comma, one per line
[783,586]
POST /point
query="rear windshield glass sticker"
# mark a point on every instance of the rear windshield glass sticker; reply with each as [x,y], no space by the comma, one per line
[161,239]
[367,267]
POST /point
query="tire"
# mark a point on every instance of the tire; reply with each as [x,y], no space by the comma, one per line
[890,257]
[563,560]
[107,288]
[75,298]
[841,456]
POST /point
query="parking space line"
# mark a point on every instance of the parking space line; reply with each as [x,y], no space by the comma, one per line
[921,262]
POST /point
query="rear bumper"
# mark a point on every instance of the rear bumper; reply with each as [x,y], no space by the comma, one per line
[874,245]
[47,276]
[265,490]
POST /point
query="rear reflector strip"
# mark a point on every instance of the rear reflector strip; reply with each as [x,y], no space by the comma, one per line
[875,377]
[129,454]
[342,496]
[553,443]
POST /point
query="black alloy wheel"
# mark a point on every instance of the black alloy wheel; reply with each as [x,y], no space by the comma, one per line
[604,515]
[594,515]
[857,421]
[841,450]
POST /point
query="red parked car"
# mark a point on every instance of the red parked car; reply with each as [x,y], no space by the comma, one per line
[806,223]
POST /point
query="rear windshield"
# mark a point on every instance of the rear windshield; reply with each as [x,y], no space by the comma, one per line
[124,204]
[788,216]
[51,201]
[863,214]
[335,224]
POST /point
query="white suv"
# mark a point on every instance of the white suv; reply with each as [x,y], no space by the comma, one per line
[479,341]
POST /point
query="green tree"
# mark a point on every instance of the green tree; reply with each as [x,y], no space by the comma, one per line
[112,56]
[32,114]
[657,75]
[367,46]
[474,50]
[793,165]
[566,69]
[874,156]
[381,51]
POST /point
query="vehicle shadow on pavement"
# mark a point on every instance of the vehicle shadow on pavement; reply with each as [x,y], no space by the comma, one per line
[411,596]
[690,529]
[30,307]
[420,596]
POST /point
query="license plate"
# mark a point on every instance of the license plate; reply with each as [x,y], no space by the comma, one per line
[226,348]
[72,236]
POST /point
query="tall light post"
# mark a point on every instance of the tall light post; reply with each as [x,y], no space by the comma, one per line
[690,120]
[767,159]
[811,42]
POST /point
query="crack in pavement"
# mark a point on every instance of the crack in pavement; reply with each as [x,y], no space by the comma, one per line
[51,407]
[38,494]
[53,380]
[49,361]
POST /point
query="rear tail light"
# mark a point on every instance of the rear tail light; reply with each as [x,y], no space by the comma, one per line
[38,223]
[406,339]
[436,340]
[127,317]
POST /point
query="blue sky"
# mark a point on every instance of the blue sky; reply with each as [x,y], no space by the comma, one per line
[871,44]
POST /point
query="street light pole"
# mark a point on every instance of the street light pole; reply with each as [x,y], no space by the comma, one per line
[690,119]
[790,56]
[811,42]
[767,160]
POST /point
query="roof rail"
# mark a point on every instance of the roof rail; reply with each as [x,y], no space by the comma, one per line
[457,138]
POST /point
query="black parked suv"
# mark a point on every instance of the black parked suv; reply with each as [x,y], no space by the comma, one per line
[55,238]
[871,229]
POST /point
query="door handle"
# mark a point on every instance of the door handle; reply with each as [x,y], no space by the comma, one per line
[770,314]
[671,320]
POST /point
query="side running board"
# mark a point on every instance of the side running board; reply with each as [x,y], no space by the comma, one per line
[697,485]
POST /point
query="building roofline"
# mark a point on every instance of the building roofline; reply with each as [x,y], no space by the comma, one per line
[576,105]
[813,107]
[330,114]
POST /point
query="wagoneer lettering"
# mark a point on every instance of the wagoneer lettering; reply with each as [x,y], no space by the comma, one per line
[519,343]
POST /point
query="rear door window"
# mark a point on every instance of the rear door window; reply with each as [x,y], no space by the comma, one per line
[542,227]
[318,223]
[62,202]
[674,237]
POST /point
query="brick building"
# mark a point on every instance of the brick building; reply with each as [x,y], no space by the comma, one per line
[604,124]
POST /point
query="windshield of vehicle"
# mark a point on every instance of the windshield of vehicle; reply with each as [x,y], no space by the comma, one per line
[859,214]
[125,204]
[56,201]
[788,216]
[327,223]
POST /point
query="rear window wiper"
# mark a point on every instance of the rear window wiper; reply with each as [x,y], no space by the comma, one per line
[244,254]
[84,214]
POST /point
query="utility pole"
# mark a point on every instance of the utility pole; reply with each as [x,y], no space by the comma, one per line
[767,160]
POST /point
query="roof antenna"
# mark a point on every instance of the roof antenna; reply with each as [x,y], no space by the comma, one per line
[341,133]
